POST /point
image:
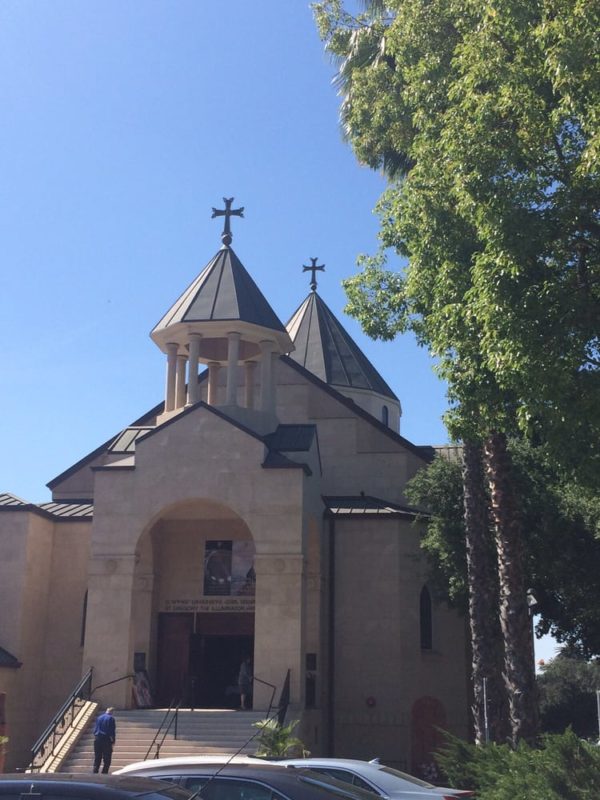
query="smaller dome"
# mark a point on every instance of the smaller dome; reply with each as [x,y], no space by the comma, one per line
[326,349]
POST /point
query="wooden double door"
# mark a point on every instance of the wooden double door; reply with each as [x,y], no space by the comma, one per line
[199,657]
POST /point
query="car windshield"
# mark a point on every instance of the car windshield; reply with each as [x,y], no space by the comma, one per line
[395,773]
[335,786]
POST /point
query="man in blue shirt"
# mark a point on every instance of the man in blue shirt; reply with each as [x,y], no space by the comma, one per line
[105,733]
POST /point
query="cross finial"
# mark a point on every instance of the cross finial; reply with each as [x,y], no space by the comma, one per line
[227,212]
[313,269]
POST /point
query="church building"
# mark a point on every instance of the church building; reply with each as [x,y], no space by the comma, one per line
[258,511]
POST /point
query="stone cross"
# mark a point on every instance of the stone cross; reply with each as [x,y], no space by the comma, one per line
[227,212]
[313,268]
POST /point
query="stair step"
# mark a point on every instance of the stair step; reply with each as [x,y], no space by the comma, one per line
[199,732]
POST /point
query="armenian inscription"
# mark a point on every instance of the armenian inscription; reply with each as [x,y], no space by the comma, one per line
[204,604]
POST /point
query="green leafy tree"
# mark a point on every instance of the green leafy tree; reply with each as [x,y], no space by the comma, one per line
[437,313]
[567,686]
[461,554]
[485,117]
[561,535]
[561,523]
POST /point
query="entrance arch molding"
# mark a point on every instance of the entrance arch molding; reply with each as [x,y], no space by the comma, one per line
[193,601]
[130,502]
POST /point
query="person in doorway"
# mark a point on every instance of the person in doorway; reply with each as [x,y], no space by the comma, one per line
[245,678]
[105,734]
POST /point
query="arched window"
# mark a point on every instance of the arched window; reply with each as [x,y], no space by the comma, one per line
[385,415]
[425,618]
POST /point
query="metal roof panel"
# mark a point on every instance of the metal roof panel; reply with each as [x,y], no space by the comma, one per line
[326,349]
[224,290]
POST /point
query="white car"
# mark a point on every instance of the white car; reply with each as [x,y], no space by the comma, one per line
[155,767]
[372,776]
[375,777]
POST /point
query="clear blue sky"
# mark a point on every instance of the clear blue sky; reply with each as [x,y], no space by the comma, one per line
[123,123]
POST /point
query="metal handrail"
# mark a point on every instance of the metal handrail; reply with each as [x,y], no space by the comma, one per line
[174,719]
[61,720]
[109,683]
[274,689]
[283,698]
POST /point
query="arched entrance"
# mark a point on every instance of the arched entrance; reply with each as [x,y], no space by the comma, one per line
[202,604]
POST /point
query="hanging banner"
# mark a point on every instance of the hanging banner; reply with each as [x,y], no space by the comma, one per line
[229,568]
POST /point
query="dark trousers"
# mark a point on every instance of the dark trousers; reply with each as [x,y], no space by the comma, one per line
[102,753]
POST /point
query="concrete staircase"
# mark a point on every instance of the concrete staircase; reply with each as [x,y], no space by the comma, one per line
[199,732]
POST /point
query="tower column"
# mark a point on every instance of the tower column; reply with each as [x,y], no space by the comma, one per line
[193,388]
[180,381]
[233,354]
[171,372]
[213,382]
[266,376]
[274,367]
[249,370]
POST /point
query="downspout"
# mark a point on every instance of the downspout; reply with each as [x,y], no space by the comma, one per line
[331,643]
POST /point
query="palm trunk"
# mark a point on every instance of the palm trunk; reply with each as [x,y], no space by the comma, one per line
[483,602]
[514,614]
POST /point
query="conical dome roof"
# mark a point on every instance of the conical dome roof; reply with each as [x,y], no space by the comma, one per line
[221,299]
[222,320]
[327,350]
[223,291]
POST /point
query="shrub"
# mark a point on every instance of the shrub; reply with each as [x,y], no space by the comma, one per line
[563,767]
[277,740]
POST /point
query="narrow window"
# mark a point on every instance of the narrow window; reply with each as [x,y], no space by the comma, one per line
[83,619]
[385,415]
[425,617]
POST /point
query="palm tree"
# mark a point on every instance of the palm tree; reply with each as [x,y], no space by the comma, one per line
[489,697]
[363,46]
[514,613]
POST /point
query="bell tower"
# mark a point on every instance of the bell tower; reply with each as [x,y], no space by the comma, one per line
[223,321]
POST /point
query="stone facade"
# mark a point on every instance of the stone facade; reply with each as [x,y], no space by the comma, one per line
[299,502]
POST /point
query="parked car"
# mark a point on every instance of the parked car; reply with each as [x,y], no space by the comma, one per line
[153,766]
[371,776]
[65,786]
[257,781]
[375,777]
